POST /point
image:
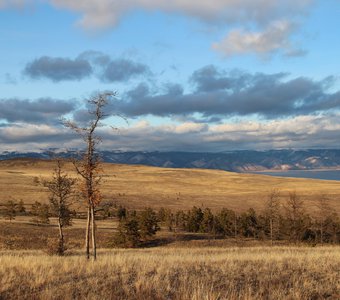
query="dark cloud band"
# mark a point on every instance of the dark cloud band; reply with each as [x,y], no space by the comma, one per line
[234,93]
[87,64]
[58,69]
[44,110]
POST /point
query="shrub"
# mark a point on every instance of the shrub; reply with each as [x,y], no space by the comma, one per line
[55,247]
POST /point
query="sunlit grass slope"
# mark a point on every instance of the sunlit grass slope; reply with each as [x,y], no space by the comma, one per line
[140,186]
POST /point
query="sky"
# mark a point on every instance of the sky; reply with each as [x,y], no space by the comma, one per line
[203,76]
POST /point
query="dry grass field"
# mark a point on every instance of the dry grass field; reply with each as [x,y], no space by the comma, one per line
[187,266]
[141,186]
[168,273]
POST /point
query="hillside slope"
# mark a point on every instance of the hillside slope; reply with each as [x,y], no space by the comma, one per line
[140,186]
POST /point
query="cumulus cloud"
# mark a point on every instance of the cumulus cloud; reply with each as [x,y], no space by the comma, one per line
[122,70]
[107,13]
[306,131]
[102,14]
[58,68]
[295,132]
[209,78]
[44,110]
[277,37]
[85,65]
[265,15]
[235,93]
[35,137]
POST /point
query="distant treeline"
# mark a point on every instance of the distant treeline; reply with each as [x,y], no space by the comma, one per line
[288,221]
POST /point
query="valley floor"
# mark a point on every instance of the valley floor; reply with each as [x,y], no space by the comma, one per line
[280,272]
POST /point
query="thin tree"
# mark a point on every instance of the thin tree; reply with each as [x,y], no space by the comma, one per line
[235,225]
[88,166]
[61,188]
[295,216]
[41,213]
[325,215]
[272,210]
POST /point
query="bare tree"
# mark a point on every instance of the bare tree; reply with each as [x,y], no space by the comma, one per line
[61,188]
[325,216]
[88,166]
[272,211]
[295,213]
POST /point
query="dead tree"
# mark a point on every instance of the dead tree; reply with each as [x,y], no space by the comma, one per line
[325,216]
[61,188]
[88,166]
[295,216]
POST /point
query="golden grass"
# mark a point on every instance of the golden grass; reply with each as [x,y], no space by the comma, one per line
[140,186]
[175,273]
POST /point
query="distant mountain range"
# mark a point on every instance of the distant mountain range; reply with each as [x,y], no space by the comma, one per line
[238,161]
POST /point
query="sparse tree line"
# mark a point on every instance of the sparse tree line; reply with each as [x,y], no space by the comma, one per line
[277,221]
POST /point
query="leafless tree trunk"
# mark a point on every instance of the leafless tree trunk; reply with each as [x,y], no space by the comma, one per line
[94,245]
[61,235]
[324,212]
[88,229]
[295,212]
[88,166]
[235,225]
[271,232]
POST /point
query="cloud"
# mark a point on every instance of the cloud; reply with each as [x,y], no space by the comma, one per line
[209,78]
[107,13]
[220,93]
[85,65]
[58,68]
[44,110]
[295,132]
[14,3]
[263,16]
[276,37]
[189,127]
[266,16]
[123,70]
[96,58]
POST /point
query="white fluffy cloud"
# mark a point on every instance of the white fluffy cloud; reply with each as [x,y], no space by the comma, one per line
[274,38]
[296,132]
[259,14]
[272,35]
[104,13]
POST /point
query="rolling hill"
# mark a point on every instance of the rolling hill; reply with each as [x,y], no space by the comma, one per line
[140,186]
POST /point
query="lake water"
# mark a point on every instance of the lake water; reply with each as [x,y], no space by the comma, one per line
[326,175]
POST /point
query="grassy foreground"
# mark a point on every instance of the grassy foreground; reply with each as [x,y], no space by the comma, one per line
[174,273]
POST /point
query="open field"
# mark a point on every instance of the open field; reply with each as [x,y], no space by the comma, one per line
[187,266]
[141,186]
[181,273]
